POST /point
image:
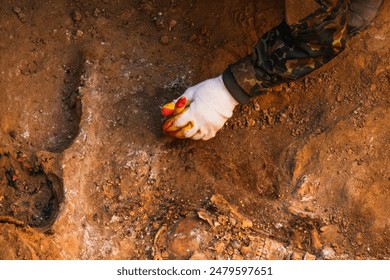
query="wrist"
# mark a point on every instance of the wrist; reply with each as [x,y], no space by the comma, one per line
[229,98]
[233,87]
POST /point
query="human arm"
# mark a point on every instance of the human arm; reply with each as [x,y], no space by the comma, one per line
[293,49]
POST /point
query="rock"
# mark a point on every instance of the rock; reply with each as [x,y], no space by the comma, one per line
[187,236]
[220,247]
[205,216]
[315,239]
[79,34]
[17,10]
[77,16]
[297,256]
[22,16]
[273,250]
[164,40]
[309,256]
[221,203]
[172,24]
[328,253]
[251,122]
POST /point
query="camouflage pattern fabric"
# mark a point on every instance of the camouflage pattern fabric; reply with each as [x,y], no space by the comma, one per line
[289,52]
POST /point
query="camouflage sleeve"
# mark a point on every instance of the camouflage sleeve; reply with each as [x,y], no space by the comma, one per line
[290,51]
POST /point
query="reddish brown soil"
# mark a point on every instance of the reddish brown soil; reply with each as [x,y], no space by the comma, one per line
[301,172]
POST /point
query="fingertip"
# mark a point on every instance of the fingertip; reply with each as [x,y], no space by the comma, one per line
[192,130]
[182,133]
[167,124]
[181,103]
[168,109]
[166,112]
[197,136]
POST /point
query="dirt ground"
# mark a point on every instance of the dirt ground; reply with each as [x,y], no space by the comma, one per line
[302,172]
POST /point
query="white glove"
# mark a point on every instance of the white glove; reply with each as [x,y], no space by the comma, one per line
[210,105]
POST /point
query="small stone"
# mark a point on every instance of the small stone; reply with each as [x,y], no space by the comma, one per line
[315,239]
[165,255]
[79,33]
[172,24]
[297,256]
[21,15]
[17,10]
[328,253]
[220,247]
[77,16]
[309,256]
[96,13]
[164,40]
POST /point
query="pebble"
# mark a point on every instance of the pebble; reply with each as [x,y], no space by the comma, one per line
[328,253]
[77,16]
[315,240]
[17,10]
[172,24]
[251,122]
[297,256]
[164,40]
[22,17]
[309,256]
[79,33]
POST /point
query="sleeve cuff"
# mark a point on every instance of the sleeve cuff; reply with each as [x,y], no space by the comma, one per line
[235,90]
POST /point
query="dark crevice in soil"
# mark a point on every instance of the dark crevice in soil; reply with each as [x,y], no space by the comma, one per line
[71,103]
[27,194]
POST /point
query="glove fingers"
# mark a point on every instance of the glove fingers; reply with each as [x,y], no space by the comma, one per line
[184,117]
[175,108]
[180,105]
[169,125]
[176,122]
[168,109]
[181,133]
[208,136]
[197,136]
[193,131]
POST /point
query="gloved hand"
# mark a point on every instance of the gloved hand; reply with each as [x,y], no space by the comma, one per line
[200,112]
